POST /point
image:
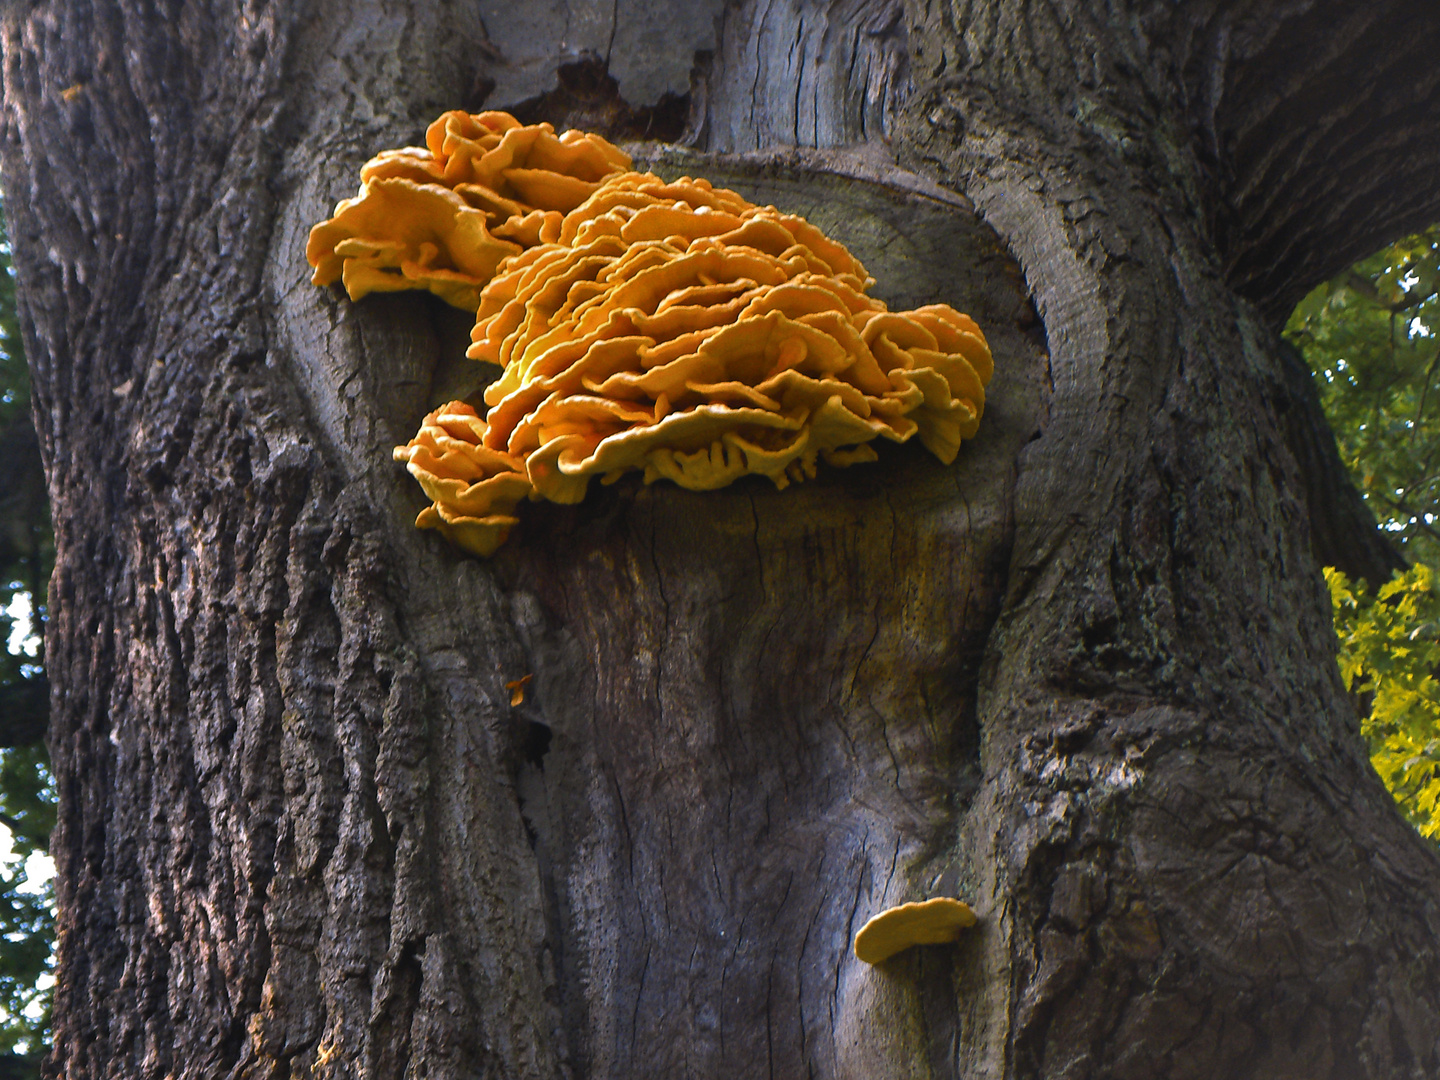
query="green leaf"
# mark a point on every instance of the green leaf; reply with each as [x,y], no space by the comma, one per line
[1389,650]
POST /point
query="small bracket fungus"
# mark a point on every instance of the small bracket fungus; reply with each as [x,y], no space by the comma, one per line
[670,328]
[517,689]
[929,922]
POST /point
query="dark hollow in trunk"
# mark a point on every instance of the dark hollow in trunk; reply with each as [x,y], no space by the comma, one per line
[1084,678]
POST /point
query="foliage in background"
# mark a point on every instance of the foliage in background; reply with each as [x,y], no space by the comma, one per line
[1389,655]
[27,800]
[1372,338]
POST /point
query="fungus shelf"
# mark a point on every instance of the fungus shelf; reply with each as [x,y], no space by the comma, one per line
[670,328]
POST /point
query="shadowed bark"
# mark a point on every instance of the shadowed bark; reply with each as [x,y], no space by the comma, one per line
[1084,678]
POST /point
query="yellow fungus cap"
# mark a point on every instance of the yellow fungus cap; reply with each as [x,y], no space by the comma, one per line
[442,217]
[402,235]
[474,489]
[667,327]
[677,330]
[929,922]
[517,689]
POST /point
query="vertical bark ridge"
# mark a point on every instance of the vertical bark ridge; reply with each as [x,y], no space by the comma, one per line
[226,872]
[819,73]
[160,916]
[1175,639]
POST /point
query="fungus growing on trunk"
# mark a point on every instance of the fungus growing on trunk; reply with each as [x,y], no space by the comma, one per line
[473,489]
[441,217]
[930,922]
[670,328]
[681,331]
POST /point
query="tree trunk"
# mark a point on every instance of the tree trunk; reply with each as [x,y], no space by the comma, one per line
[1083,679]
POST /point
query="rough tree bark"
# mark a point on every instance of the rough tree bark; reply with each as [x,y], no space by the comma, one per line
[1084,678]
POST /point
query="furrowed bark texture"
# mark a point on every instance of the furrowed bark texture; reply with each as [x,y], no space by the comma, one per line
[1202,877]
[1083,678]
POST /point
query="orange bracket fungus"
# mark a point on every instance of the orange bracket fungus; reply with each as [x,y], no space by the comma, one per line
[670,328]
[930,922]
[443,216]
[517,690]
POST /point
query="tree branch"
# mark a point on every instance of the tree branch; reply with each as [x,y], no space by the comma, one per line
[1424,393]
[1342,528]
[1325,127]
